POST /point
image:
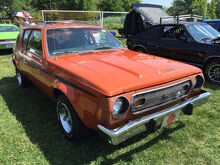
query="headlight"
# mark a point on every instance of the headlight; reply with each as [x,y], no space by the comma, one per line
[120,106]
[198,82]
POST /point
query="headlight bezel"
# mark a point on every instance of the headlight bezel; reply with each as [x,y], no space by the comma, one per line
[198,82]
[123,109]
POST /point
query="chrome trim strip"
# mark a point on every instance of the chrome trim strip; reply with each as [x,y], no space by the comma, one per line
[132,97]
[7,42]
[132,128]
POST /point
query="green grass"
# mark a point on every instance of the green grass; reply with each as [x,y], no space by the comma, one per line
[29,133]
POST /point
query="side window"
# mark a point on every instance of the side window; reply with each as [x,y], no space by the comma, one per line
[24,40]
[174,32]
[34,43]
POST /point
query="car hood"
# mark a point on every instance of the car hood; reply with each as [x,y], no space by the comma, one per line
[119,71]
[8,35]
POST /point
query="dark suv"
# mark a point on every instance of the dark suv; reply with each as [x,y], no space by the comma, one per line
[190,42]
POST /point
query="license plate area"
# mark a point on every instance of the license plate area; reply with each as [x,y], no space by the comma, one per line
[10,45]
[170,118]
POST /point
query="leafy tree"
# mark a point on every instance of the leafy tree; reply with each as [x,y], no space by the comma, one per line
[188,7]
[127,4]
[211,10]
[217,9]
[111,5]
[117,5]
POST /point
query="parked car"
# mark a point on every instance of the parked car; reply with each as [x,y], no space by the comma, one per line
[99,84]
[215,23]
[190,42]
[8,35]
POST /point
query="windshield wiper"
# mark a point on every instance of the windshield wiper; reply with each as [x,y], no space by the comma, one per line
[215,39]
[204,39]
[104,47]
[64,52]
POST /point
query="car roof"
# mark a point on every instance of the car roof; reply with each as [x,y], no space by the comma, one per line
[211,20]
[60,25]
[7,25]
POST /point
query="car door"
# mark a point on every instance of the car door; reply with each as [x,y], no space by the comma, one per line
[36,64]
[176,43]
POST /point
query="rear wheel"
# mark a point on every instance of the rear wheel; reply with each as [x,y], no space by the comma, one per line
[69,122]
[212,71]
[21,79]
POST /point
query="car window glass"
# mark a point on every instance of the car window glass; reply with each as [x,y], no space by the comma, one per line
[74,40]
[201,32]
[25,37]
[8,29]
[173,32]
[34,43]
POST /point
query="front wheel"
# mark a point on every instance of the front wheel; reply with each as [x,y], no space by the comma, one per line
[69,122]
[212,71]
[141,50]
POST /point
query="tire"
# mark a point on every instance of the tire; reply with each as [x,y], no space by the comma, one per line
[70,124]
[141,50]
[21,79]
[212,71]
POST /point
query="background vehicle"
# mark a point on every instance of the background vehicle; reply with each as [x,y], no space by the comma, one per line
[215,23]
[97,83]
[8,35]
[193,43]
[172,37]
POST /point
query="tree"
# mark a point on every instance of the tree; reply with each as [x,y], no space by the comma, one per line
[127,4]
[180,7]
[211,10]
[117,5]
[217,11]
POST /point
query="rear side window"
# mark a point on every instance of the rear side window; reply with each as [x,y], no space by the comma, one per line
[24,40]
[172,32]
[34,43]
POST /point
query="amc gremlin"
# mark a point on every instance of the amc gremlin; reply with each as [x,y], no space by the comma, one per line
[98,84]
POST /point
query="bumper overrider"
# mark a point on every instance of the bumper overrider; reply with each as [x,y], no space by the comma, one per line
[153,121]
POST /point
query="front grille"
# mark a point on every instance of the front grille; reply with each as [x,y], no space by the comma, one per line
[148,100]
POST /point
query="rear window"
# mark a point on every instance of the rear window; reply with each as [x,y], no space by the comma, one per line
[8,29]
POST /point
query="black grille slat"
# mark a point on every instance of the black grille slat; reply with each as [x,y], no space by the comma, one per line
[160,96]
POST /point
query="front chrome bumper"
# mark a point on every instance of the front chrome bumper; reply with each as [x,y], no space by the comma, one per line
[137,126]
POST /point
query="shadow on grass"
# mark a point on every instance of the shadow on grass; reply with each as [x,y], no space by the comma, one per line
[212,86]
[5,52]
[36,113]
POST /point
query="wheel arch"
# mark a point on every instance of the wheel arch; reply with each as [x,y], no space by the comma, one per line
[140,46]
[210,59]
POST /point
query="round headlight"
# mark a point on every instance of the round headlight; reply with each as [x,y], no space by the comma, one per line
[120,106]
[198,82]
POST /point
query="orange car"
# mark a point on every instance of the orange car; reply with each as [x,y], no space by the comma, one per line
[99,84]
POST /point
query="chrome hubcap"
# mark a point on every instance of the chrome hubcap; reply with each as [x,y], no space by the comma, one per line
[214,73]
[19,78]
[64,117]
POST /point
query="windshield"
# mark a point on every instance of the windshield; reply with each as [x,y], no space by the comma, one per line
[202,32]
[75,40]
[8,29]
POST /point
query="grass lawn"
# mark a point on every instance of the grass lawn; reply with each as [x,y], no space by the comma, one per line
[29,133]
